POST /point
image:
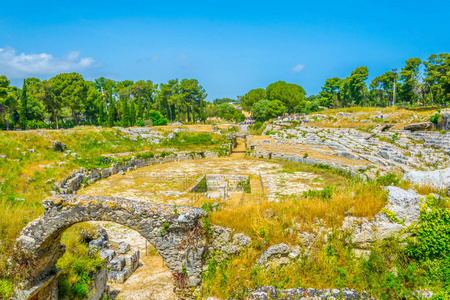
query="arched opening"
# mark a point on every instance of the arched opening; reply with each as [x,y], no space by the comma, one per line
[174,232]
[134,268]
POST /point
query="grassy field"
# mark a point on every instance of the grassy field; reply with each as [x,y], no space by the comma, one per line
[32,166]
[388,269]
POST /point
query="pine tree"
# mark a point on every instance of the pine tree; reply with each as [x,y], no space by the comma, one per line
[132,114]
[111,113]
[23,106]
[101,114]
[140,109]
[125,114]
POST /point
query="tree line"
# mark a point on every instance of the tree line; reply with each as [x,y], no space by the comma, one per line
[418,83]
[68,100]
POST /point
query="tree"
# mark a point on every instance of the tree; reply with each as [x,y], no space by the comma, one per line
[71,90]
[357,86]
[274,109]
[264,110]
[330,93]
[4,90]
[140,110]
[218,101]
[23,106]
[101,114]
[111,115]
[291,95]
[93,103]
[437,70]
[226,111]
[376,90]
[125,114]
[238,116]
[193,95]
[132,114]
[409,74]
[259,110]
[252,97]
[51,103]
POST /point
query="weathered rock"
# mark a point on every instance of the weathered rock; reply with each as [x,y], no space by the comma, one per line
[117,263]
[97,244]
[272,293]
[58,146]
[403,205]
[107,254]
[119,276]
[275,256]
[419,126]
[241,239]
[123,248]
[439,178]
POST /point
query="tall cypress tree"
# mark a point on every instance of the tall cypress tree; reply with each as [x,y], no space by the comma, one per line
[101,115]
[23,114]
[111,113]
[140,109]
[125,114]
[132,114]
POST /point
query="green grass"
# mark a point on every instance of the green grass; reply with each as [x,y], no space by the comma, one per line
[26,177]
[392,269]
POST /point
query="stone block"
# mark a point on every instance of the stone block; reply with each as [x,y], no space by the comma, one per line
[105,173]
[119,276]
[107,254]
[117,263]
[97,244]
[123,248]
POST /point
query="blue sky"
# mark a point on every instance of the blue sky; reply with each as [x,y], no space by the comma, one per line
[230,47]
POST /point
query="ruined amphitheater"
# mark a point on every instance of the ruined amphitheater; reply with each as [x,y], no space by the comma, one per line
[149,212]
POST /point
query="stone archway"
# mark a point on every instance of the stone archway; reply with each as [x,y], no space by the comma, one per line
[176,233]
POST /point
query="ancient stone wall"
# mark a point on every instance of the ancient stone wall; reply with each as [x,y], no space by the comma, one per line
[176,234]
[310,161]
[78,178]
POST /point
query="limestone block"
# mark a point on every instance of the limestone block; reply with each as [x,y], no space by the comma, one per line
[123,248]
[107,254]
[117,263]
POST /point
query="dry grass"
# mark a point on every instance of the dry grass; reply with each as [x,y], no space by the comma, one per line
[269,221]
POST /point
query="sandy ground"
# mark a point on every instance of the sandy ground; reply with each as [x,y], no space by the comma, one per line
[169,183]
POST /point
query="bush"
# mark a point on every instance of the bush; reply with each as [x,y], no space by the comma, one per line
[432,233]
[257,125]
[95,162]
[388,179]
[435,118]
[140,123]
[157,118]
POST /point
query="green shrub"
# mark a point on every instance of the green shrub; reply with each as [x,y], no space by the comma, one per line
[388,179]
[432,232]
[257,125]
[95,162]
[435,118]
[140,123]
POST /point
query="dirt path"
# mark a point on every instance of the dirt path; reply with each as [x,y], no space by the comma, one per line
[152,280]
[239,151]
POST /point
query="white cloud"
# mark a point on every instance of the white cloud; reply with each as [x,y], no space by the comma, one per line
[154,57]
[15,65]
[298,68]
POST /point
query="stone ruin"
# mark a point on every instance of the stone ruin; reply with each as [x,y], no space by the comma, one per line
[121,258]
[220,186]
[176,234]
